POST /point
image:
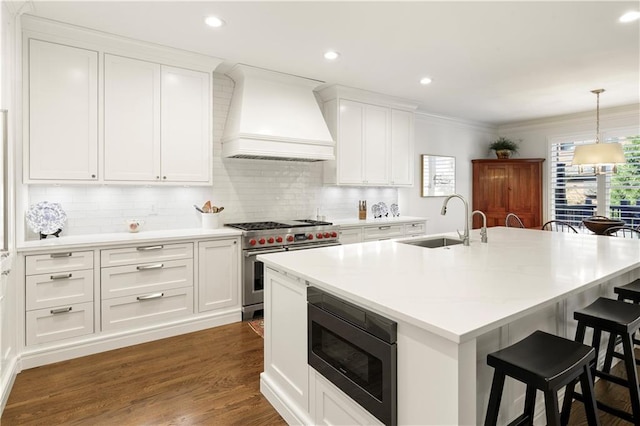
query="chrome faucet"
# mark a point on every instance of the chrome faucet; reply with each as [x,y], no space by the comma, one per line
[465,236]
[483,230]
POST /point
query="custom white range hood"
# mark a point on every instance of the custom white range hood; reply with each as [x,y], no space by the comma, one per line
[275,116]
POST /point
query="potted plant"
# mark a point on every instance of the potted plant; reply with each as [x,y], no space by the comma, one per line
[504,147]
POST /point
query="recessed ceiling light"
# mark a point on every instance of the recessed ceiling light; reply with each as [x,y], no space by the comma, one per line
[331,55]
[425,80]
[630,16]
[214,21]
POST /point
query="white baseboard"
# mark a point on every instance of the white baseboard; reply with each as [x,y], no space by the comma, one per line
[8,377]
[101,342]
[287,410]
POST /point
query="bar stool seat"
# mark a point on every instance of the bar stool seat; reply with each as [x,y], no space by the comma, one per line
[543,362]
[630,291]
[618,318]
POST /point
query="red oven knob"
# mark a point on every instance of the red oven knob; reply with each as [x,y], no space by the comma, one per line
[310,237]
[319,235]
[327,235]
[261,241]
[252,242]
[278,239]
[289,238]
[270,240]
[334,234]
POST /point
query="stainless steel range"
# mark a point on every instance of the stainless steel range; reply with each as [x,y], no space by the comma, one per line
[272,237]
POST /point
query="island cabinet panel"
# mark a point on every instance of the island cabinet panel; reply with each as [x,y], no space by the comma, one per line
[285,343]
[501,187]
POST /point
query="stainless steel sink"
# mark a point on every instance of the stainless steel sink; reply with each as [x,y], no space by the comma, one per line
[434,242]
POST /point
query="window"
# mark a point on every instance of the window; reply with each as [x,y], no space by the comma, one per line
[574,196]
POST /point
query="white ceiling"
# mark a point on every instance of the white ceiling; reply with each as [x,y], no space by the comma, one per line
[494,62]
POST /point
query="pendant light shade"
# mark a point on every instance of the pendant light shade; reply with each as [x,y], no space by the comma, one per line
[598,154]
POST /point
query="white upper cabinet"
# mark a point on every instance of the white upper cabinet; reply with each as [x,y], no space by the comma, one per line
[374,138]
[131,119]
[62,116]
[105,109]
[402,142]
[186,133]
[156,122]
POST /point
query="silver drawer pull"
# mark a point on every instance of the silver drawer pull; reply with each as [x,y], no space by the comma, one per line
[61,276]
[147,248]
[60,311]
[383,227]
[146,267]
[150,296]
[415,224]
[54,255]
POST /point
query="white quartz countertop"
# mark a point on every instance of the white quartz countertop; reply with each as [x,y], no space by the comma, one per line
[379,221]
[118,238]
[461,292]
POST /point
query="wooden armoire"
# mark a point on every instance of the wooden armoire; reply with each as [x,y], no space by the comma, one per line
[508,186]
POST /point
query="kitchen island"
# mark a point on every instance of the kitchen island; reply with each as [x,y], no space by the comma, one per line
[452,305]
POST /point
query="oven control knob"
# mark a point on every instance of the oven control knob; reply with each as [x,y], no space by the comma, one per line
[289,238]
[270,240]
[319,235]
[278,239]
[334,234]
[252,242]
[327,235]
[310,237]
[261,241]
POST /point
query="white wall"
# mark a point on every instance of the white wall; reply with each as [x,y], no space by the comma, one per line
[463,140]
[537,134]
[249,190]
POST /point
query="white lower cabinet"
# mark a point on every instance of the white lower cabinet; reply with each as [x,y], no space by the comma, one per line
[57,323]
[58,296]
[146,288]
[145,309]
[350,234]
[333,407]
[285,343]
[218,274]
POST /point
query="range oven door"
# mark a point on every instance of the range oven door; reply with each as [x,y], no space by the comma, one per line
[253,281]
[360,364]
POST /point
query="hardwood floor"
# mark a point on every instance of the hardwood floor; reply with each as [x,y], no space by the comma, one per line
[209,377]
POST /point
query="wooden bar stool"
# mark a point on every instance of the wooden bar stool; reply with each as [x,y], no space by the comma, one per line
[618,319]
[629,292]
[545,362]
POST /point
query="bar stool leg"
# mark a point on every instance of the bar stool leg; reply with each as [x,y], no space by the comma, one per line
[494,399]
[568,393]
[608,359]
[586,382]
[632,376]
[551,407]
[530,403]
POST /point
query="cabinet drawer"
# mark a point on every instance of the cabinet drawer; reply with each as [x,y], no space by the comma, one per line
[145,309]
[66,288]
[147,253]
[59,262]
[62,322]
[146,278]
[383,232]
[416,228]
[350,235]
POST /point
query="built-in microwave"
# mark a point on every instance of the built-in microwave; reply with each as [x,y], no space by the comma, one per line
[356,350]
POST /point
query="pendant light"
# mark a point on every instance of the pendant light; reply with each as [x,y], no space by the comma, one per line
[598,155]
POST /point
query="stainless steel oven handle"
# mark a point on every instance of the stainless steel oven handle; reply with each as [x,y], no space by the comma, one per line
[249,253]
[312,246]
